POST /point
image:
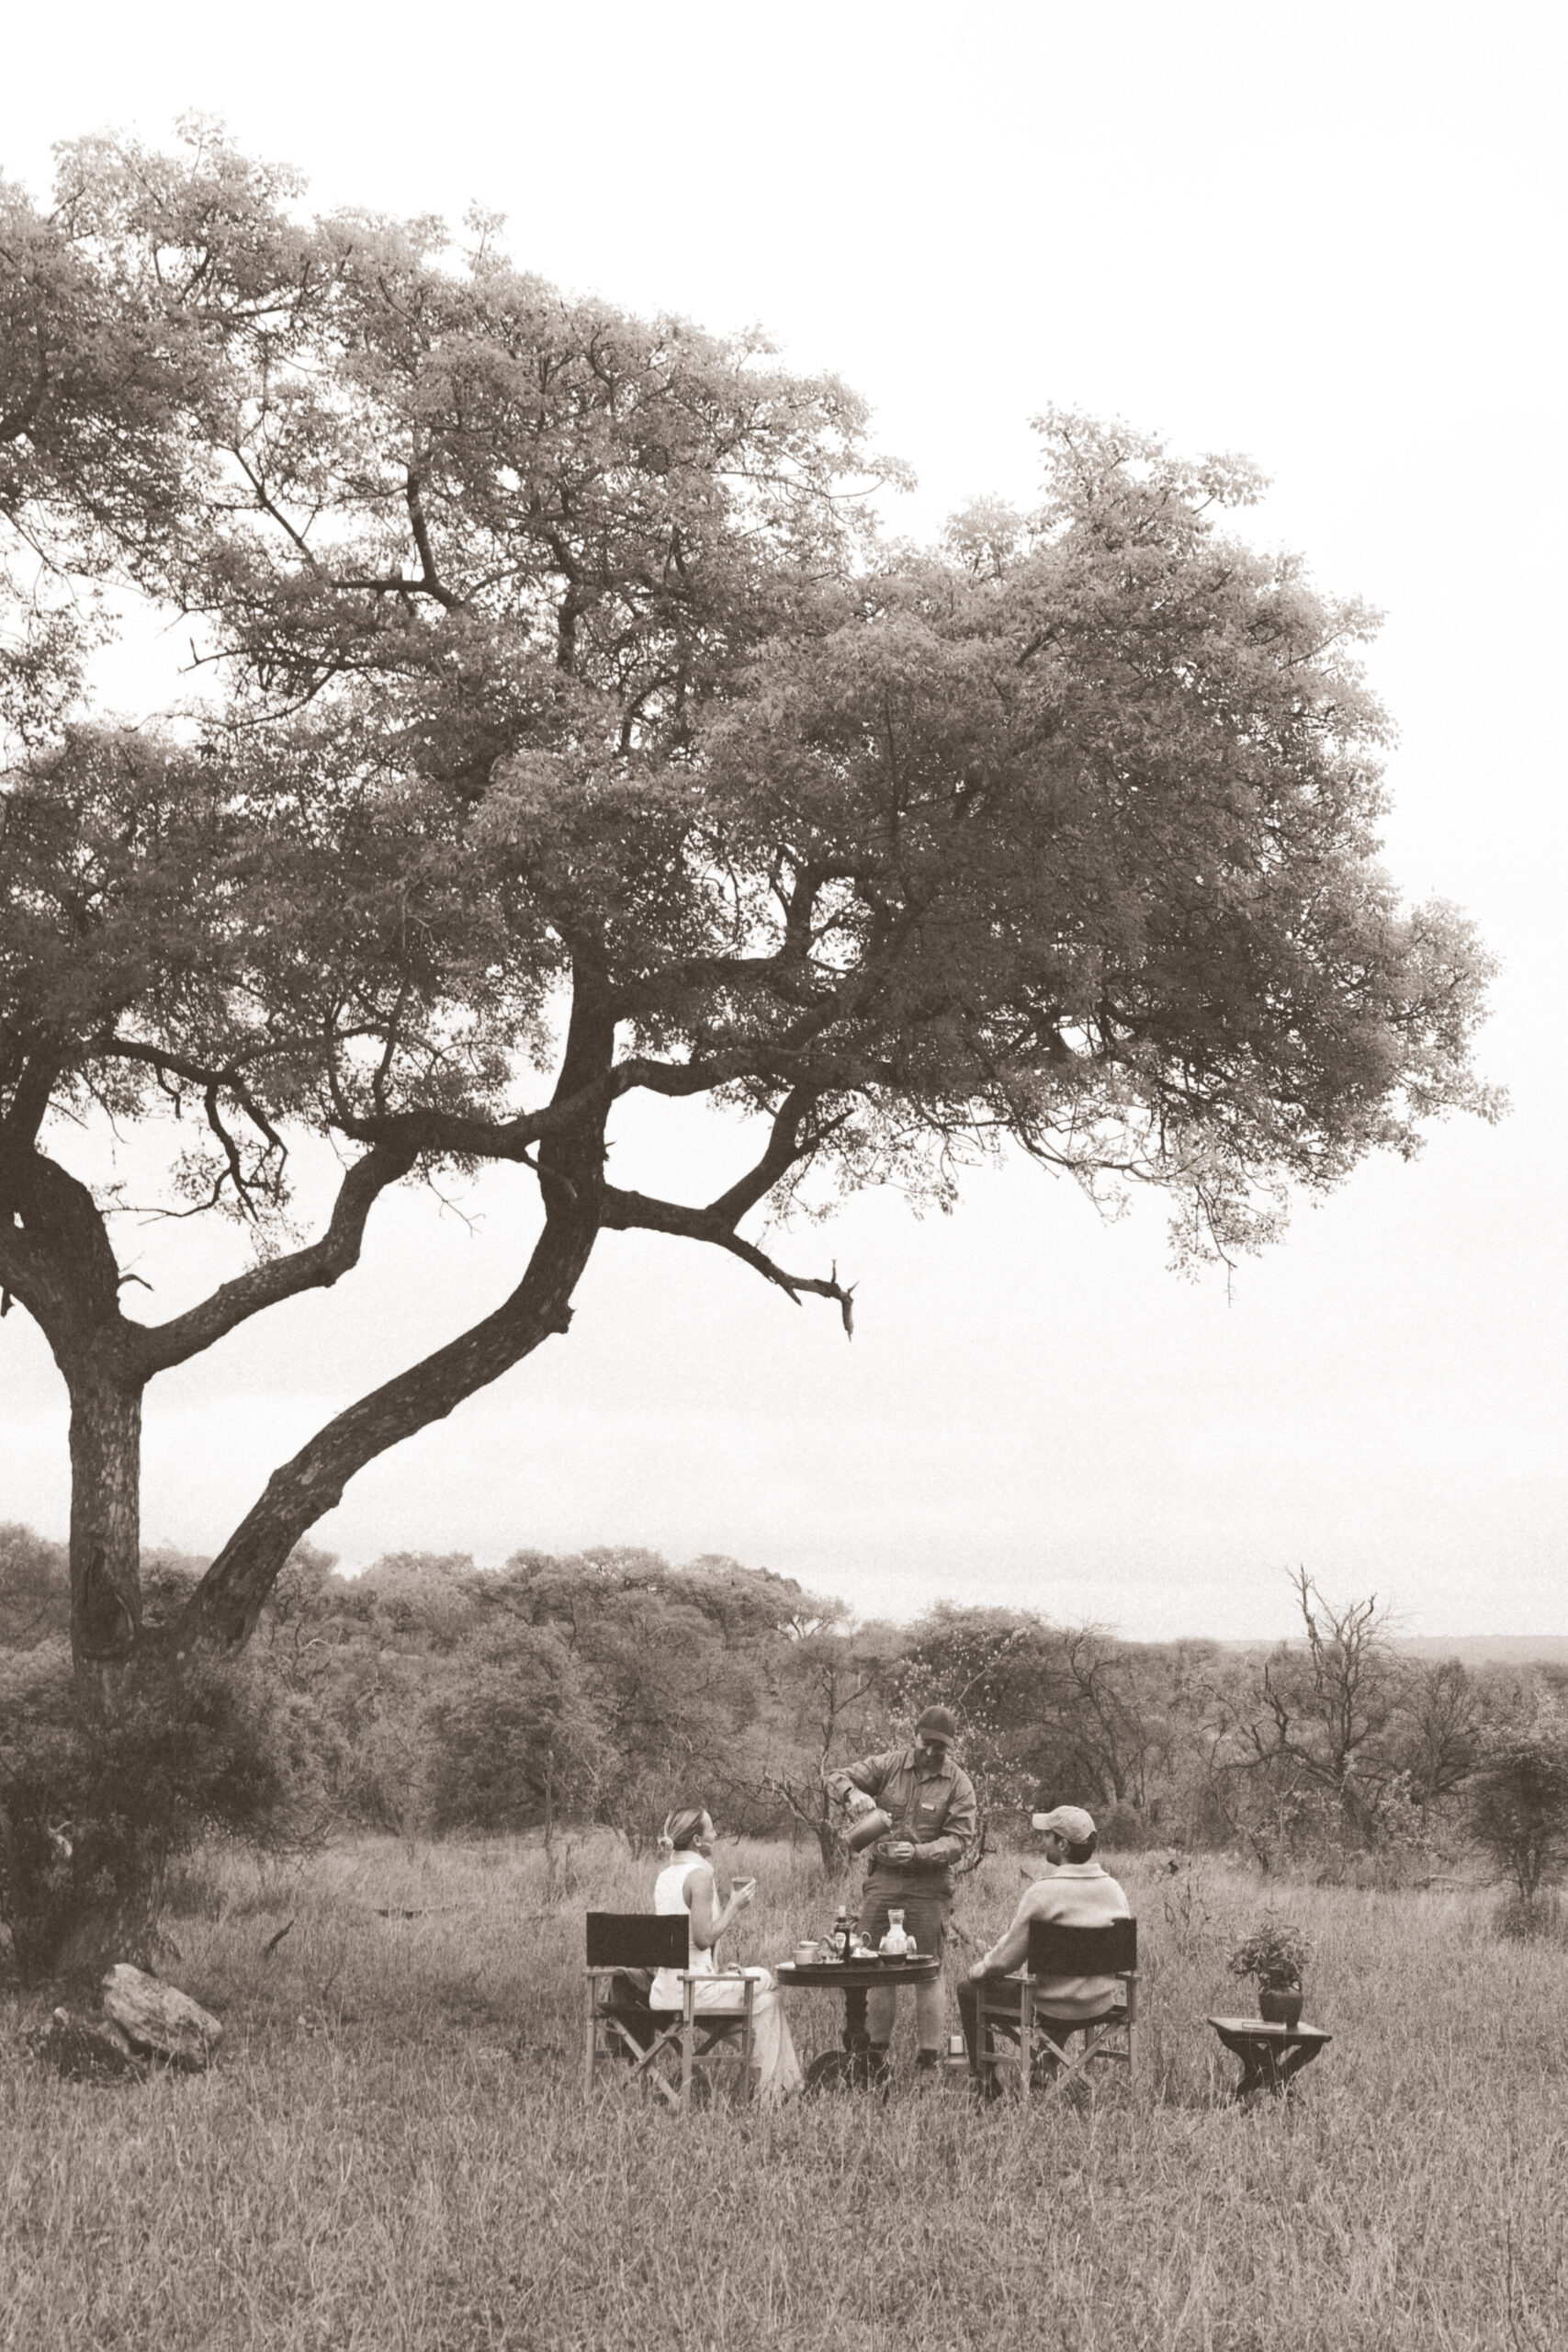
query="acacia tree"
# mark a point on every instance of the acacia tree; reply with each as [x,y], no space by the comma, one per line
[835,1685]
[571,738]
[1325,1710]
[1442,1712]
[983,1665]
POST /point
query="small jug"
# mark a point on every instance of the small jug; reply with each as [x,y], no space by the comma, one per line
[895,1943]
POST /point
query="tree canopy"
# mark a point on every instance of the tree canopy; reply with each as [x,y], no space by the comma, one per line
[563,731]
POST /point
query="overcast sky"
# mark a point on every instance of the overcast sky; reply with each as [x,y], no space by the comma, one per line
[1331,237]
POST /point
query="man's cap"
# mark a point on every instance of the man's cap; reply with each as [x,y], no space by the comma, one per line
[937,1723]
[1068,1821]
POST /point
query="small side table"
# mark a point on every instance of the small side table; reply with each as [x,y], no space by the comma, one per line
[1272,2055]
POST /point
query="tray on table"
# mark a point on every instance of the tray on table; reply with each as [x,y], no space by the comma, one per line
[870,1967]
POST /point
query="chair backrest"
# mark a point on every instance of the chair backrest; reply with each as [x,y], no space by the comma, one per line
[637,1939]
[1108,1951]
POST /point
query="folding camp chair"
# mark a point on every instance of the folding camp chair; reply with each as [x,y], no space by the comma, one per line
[1054,1951]
[620,2022]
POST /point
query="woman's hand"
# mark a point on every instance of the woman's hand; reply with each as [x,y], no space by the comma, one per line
[743,1892]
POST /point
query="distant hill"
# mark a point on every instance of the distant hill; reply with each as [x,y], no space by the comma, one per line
[1470,1649]
[1489,1649]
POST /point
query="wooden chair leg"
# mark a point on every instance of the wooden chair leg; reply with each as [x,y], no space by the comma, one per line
[1037,2040]
[1130,1982]
[1053,2058]
[988,2023]
[984,2043]
[1095,2045]
[648,2065]
[674,2094]
[604,2035]
[590,2049]
[599,2032]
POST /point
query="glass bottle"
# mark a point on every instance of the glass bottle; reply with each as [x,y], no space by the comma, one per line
[843,1935]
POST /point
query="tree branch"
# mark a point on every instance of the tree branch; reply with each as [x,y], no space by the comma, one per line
[223,1610]
[30,1097]
[785,1149]
[580,1107]
[640,1211]
[316,1267]
[225,1080]
[431,582]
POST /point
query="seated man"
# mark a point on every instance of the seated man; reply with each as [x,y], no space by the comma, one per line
[1074,1893]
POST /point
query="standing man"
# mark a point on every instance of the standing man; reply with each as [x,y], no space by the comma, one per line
[931,1802]
[1075,1892]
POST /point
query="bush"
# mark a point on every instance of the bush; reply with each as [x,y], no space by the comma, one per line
[1529,1918]
[35,1589]
[1519,1805]
[513,1743]
[1133,1829]
[95,1806]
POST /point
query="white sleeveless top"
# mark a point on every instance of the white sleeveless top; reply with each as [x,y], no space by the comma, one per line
[669,1896]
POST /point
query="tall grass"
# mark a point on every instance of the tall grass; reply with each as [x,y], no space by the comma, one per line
[393,2151]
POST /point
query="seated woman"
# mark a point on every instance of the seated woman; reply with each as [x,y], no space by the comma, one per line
[686,1884]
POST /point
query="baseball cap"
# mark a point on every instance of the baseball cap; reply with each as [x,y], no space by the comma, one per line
[937,1723]
[1068,1821]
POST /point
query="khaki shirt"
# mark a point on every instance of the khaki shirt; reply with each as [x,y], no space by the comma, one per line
[936,1810]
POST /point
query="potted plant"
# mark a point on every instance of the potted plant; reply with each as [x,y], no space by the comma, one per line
[1274,1954]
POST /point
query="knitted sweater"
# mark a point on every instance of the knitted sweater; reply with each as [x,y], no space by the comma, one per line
[1074,1894]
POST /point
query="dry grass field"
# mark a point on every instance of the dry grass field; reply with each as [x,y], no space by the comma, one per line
[393,2151]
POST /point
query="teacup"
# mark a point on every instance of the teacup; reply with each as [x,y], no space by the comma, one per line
[805,1953]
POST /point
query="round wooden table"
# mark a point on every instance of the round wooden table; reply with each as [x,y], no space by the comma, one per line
[1272,2055]
[853,1978]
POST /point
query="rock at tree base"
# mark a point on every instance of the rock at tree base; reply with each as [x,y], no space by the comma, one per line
[156,2018]
[87,2050]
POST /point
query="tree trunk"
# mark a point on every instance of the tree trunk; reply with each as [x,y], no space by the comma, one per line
[105,1522]
[56,1258]
[66,1911]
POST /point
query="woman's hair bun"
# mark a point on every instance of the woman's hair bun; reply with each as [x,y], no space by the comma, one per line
[681,1828]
